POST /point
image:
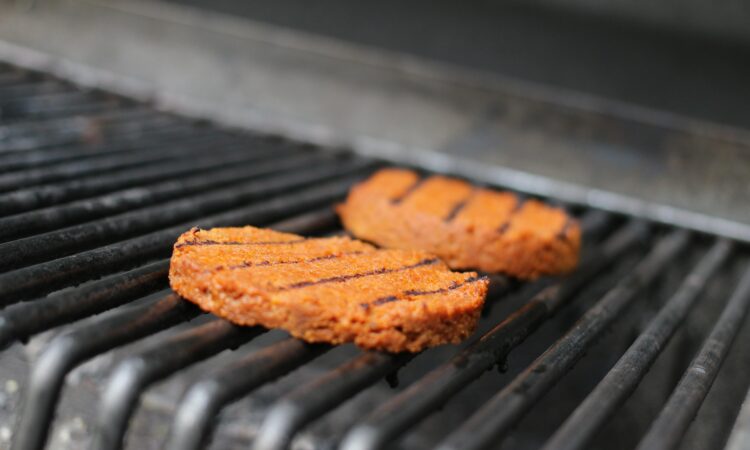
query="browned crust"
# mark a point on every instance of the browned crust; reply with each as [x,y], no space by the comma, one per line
[466,226]
[331,290]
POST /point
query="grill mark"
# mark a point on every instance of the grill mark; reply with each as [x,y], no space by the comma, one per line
[383,300]
[342,278]
[247,264]
[452,287]
[520,201]
[413,188]
[414,293]
[211,242]
[459,206]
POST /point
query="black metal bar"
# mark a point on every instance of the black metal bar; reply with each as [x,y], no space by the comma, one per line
[739,439]
[94,185]
[20,321]
[674,419]
[426,395]
[75,124]
[88,133]
[595,223]
[140,155]
[43,278]
[161,359]
[68,350]
[622,379]
[122,142]
[239,169]
[78,125]
[37,133]
[309,223]
[57,243]
[54,105]
[496,417]
[303,405]
[12,77]
[33,88]
[204,399]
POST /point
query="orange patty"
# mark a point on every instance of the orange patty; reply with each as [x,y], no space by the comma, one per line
[468,227]
[331,290]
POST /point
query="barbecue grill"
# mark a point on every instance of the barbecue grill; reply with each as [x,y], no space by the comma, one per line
[90,212]
[643,346]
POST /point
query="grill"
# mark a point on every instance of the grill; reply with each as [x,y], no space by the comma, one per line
[94,189]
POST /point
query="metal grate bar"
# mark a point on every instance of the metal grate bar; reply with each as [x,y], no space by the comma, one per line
[122,141]
[68,350]
[739,439]
[205,398]
[22,320]
[423,397]
[54,105]
[68,125]
[623,378]
[33,88]
[69,96]
[12,77]
[308,402]
[45,277]
[242,167]
[95,185]
[64,241]
[36,162]
[495,418]
[36,133]
[673,421]
[138,371]
[141,155]
[92,136]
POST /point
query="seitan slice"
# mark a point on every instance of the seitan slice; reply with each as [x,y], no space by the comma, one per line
[467,226]
[333,290]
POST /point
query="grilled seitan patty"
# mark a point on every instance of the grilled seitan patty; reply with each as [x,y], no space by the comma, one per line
[468,227]
[331,290]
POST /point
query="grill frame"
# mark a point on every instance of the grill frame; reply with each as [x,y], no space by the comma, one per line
[280,204]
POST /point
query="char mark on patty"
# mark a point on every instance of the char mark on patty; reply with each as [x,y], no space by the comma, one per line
[409,191]
[343,278]
[413,293]
[211,242]
[459,206]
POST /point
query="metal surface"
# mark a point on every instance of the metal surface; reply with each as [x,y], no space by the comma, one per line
[206,397]
[740,437]
[133,375]
[303,405]
[620,382]
[674,419]
[495,418]
[69,350]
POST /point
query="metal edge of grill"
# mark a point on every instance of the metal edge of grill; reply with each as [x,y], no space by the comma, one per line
[86,200]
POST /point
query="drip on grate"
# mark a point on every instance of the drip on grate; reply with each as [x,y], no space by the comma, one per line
[94,190]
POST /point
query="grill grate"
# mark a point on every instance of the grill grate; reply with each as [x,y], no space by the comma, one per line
[95,189]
